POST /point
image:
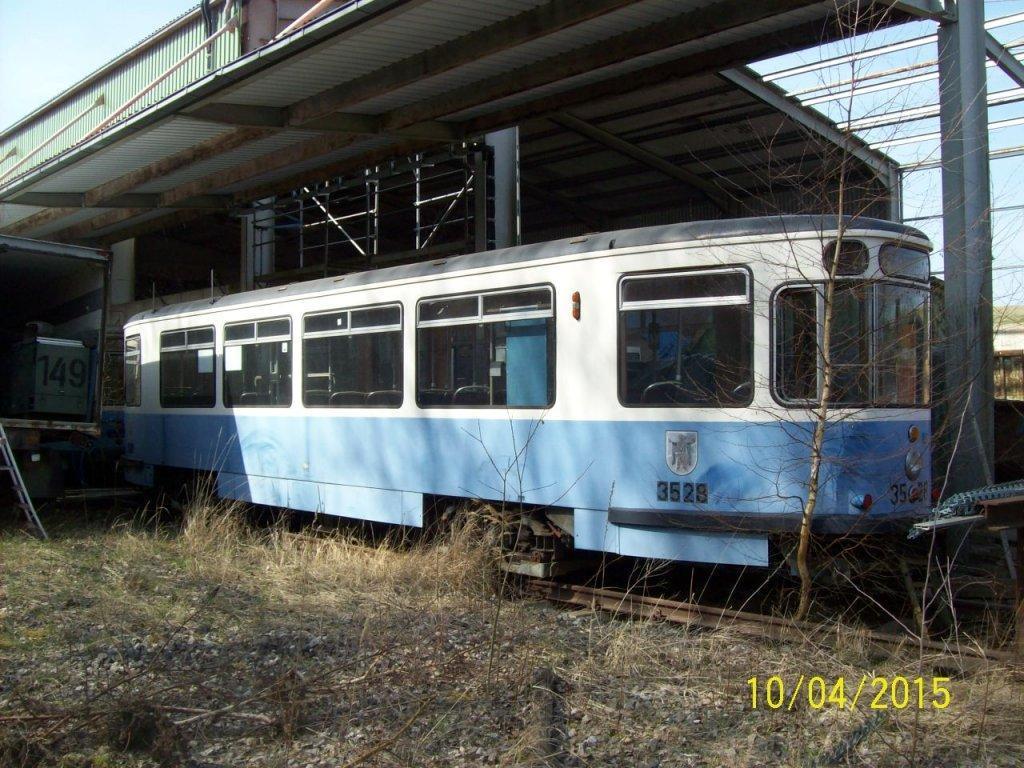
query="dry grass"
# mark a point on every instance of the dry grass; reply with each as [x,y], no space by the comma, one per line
[319,649]
[330,568]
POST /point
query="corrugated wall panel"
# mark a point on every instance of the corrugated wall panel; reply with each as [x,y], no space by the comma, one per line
[121,85]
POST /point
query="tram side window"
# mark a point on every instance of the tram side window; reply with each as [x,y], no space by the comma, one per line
[258,364]
[797,349]
[133,371]
[490,349]
[686,339]
[187,369]
[353,358]
[796,344]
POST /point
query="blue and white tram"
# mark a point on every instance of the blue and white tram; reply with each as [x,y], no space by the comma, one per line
[649,392]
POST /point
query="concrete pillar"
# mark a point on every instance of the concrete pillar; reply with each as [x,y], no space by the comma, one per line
[967,238]
[505,149]
[122,272]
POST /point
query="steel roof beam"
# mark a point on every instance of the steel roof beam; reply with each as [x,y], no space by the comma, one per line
[255,116]
[523,28]
[129,200]
[646,157]
[686,27]
[708,62]
[36,220]
[1004,59]
[820,126]
[936,10]
[203,151]
[538,189]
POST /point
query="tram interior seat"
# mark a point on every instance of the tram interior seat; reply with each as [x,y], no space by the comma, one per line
[472,394]
[662,392]
[348,397]
[434,397]
[253,398]
[316,397]
[384,397]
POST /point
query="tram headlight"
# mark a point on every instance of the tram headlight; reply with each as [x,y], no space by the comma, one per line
[913,464]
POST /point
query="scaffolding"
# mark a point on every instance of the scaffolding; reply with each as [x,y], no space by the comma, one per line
[408,209]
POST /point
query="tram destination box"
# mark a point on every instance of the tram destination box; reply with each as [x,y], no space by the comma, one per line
[49,377]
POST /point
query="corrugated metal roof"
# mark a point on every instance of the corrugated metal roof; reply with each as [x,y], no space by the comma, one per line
[360,38]
[419,29]
[146,147]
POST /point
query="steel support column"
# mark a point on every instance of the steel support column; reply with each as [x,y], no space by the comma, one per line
[967,236]
[505,146]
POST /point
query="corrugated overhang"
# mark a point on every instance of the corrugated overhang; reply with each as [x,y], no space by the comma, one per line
[383,77]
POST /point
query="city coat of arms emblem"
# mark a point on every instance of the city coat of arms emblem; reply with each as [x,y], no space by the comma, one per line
[681,451]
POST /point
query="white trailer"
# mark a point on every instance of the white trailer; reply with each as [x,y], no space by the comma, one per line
[53,302]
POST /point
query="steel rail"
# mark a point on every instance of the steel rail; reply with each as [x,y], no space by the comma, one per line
[744,622]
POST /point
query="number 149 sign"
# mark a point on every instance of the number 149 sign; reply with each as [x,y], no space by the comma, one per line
[56,370]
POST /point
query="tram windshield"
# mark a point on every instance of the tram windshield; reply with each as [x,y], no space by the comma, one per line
[878,344]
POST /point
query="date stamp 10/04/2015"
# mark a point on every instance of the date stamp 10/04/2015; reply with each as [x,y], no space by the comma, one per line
[871,692]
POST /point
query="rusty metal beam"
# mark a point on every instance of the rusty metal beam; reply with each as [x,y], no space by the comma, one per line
[31,223]
[657,75]
[520,29]
[686,27]
[272,161]
[255,116]
[743,622]
[167,165]
[88,229]
[71,200]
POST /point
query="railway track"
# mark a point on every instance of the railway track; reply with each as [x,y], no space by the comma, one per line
[754,624]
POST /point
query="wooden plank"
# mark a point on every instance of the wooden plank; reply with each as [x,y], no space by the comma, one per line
[520,29]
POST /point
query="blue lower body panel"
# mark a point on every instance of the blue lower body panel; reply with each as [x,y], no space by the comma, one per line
[374,504]
[591,530]
[380,467]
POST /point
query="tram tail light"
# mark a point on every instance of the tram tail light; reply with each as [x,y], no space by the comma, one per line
[576,305]
[863,501]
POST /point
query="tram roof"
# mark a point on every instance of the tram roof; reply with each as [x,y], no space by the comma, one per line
[715,229]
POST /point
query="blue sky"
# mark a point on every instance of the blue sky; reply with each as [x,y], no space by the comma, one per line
[922,189]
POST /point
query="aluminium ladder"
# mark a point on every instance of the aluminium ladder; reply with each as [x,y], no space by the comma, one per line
[9,465]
